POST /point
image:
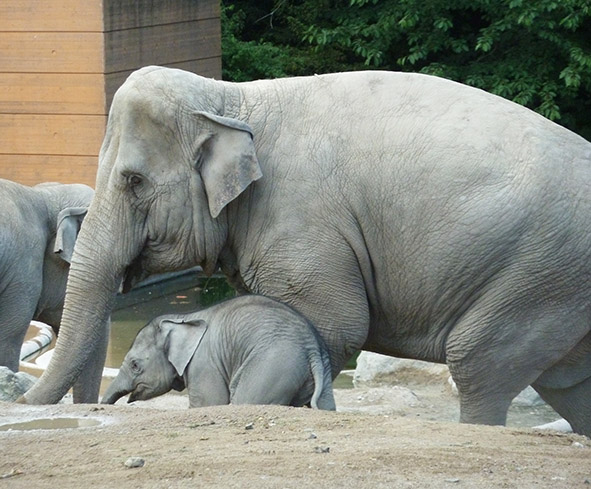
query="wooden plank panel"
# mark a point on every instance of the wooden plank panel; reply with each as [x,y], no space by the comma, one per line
[126,14]
[159,45]
[209,67]
[33,169]
[51,52]
[51,134]
[54,15]
[34,93]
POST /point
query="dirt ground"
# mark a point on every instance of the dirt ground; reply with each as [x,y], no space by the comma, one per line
[384,436]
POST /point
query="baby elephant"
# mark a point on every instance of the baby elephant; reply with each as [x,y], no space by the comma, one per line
[247,350]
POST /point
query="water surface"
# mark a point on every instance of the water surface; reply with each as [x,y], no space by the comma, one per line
[188,292]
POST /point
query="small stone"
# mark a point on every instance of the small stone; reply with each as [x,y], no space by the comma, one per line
[453,480]
[249,426]
[576,444]
[322,449]
[312,436]
[12,473]
[134,462]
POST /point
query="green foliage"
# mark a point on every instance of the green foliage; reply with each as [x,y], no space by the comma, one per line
[265,39]
[537,53]
[247,60]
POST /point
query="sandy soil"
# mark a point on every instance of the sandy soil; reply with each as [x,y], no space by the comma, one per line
[385,436]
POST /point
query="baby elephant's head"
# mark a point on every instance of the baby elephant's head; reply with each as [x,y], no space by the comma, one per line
[157,360]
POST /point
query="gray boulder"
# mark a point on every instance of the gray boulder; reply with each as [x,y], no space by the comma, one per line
[373,368]
[13,385]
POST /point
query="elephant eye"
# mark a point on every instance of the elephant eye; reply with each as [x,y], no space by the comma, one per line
[134,183]
[135,366]
[134,180]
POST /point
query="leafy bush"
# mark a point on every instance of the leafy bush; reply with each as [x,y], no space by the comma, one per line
[535,53]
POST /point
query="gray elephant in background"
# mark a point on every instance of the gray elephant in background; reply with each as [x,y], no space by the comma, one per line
[400,213]
[247,350]
[38,229]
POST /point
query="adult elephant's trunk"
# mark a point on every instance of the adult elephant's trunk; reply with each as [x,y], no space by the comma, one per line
[95,277]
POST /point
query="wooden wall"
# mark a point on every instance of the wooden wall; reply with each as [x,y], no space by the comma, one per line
[61,62]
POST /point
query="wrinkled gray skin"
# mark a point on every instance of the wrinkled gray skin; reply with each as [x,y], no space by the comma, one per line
[38,229]
[248,350]
[401,213]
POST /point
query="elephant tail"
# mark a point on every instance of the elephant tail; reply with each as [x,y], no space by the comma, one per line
[323,397]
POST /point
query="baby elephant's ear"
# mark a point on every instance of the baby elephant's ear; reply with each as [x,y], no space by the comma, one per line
[182,340]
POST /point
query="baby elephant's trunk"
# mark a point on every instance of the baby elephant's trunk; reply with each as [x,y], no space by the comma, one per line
[119,387]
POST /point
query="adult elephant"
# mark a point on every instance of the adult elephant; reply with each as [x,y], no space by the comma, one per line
[401,213]
[38,229]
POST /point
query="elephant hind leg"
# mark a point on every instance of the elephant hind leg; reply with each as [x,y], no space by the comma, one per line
[483,405]
[488,372]
[572,403]
[496,351]
[273,378]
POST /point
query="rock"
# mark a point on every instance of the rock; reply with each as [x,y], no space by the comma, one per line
[13,385]
[372,367]
[528,398]
[12,473]
[453,386]
[134,462]
[559,425]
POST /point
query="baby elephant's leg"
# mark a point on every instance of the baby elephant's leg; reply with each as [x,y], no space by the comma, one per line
[207,389]
[273,378]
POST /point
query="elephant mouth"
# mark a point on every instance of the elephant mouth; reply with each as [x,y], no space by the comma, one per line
[138,394]
[134,274]
[178,384]
[143,392]
[113,397]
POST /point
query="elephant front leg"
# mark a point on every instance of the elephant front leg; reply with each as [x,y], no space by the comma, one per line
[205,386]
[87,386]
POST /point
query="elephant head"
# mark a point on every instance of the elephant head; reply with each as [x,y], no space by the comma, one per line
[173,157]
[157,360]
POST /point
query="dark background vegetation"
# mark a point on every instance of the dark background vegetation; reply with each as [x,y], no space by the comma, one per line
[535,52]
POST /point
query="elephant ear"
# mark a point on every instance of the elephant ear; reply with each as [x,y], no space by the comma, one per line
[228,162]
[182,340]
[69,221]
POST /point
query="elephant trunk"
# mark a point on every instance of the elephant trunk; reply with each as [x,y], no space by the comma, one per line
[95,277]
[119,387]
